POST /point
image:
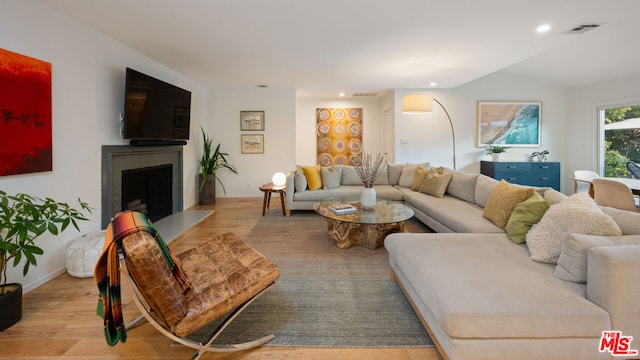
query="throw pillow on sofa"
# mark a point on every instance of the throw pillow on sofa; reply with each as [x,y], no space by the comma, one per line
[572,263]
[436,185]
[330,177]
[314,178]
[577,214]
[422,173]
[408,173]
[524,216]
[503,199]
[300,181]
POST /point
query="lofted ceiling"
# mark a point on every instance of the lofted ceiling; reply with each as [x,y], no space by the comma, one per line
[324,47]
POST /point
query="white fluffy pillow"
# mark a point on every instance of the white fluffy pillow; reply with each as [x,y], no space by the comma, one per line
[577,214]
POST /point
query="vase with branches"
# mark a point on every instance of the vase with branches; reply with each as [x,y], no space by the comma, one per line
[369,168]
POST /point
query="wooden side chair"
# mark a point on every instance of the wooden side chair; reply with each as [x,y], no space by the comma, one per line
[614,194]
[218,278]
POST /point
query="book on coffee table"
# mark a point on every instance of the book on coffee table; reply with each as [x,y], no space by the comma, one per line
[342,209]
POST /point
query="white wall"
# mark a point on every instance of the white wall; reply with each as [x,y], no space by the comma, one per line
[581,142]
[305,131]
[428,137]
[88,94]
[254,170]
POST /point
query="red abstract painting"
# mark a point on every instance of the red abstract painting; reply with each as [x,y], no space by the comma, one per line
[25,114]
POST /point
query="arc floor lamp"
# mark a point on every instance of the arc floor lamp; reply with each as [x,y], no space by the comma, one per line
[423,104]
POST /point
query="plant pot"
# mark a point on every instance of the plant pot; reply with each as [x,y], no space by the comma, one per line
[207,195]
[496,156]
[368,198]
[10,306]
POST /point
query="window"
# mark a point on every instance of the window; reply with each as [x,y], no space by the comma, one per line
[620,141]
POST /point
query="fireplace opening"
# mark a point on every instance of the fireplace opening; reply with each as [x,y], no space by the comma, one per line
[148,190]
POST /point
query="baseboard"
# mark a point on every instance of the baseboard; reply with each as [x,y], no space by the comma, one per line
[43,280]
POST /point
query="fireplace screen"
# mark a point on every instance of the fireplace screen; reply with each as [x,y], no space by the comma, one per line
[148,190]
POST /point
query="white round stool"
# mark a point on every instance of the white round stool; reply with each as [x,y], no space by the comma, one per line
[81,254]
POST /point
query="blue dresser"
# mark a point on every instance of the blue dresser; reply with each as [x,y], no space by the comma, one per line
[524,173]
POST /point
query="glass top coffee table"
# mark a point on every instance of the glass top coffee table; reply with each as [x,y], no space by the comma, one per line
[365,227]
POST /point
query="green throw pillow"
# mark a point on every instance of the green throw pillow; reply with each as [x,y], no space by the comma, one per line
[524,216]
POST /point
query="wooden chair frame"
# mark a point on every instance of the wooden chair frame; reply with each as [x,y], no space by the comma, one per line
[150,315]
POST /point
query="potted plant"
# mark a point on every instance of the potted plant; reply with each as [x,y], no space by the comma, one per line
[23,218]
[496,151]
[209,164]
[539,155]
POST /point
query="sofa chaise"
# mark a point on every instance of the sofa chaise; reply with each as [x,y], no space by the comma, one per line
[482,296]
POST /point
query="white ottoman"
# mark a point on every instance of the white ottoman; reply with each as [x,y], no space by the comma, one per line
[81,254]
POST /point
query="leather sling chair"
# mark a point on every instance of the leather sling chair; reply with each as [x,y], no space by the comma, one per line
[225,275]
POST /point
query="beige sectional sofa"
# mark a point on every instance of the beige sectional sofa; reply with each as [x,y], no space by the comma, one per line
[481,296]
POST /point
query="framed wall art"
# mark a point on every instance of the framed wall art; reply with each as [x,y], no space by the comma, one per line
[252,144]
[510,123]
[252,120]
[339,135]
[25,114]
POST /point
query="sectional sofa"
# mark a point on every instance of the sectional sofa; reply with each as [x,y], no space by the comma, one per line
[482,296]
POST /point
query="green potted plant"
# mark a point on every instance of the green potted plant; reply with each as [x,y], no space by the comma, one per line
[496,151]
[23,218]
[209,164]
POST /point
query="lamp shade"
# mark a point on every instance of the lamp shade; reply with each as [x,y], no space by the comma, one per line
[279,180]
[417,104]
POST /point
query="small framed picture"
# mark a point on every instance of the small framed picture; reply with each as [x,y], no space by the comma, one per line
[252,144]
[252,120]
[509,123]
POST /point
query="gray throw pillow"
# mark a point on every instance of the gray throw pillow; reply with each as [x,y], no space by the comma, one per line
[300,181]
[572,264]
[330,178]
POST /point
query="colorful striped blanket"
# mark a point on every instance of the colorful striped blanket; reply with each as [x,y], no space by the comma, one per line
[107,271]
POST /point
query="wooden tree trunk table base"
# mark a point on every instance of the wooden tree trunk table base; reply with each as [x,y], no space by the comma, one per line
[347,234]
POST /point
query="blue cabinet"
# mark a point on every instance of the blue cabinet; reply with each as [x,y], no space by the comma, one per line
[543,174]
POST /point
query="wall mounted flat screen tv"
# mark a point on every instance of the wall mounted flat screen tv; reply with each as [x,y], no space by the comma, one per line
[154,109]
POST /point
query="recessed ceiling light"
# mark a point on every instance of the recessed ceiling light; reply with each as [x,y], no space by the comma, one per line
[543,28]
[341,94]
[433,84]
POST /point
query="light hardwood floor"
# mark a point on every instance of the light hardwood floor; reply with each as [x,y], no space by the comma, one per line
[59,319]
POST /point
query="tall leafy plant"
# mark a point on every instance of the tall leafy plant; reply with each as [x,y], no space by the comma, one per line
[213,161]
[23,218]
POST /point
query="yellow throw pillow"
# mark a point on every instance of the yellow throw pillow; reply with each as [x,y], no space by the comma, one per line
[503,199]
[314,176]
[436,185]
[421,174]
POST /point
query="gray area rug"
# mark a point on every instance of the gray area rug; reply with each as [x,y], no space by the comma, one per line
[326,296]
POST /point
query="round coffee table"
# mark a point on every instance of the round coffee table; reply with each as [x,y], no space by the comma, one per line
[365,227]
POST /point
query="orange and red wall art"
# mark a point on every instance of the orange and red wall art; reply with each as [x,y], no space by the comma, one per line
[25,114]
[339,132]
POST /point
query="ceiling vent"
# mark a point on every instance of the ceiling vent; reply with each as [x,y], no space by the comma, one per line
[370,94]
[582,28]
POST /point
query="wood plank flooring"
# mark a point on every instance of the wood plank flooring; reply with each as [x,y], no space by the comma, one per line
[59,319]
